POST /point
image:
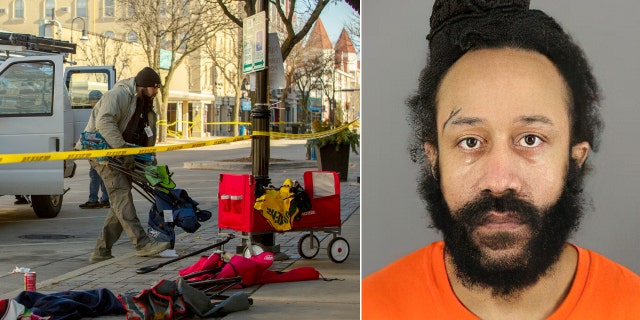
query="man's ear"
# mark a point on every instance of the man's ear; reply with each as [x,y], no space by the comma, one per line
[580,152]
[431,152]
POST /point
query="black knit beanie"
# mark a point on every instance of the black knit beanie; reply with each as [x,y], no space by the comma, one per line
[147,77]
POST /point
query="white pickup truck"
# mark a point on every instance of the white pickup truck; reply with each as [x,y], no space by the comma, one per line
[43,108]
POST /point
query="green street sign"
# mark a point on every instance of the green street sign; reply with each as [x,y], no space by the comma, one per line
[254,39]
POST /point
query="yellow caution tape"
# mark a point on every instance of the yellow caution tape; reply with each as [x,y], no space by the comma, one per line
[317,135]
[191,123]
[89,154]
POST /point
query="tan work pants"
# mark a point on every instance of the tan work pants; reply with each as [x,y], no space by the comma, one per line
[122,215]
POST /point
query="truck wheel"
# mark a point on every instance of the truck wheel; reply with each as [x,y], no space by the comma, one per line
[46,206]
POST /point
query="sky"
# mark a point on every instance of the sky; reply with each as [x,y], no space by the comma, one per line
[334,17]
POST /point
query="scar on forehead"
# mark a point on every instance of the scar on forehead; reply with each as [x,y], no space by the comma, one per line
[451,115]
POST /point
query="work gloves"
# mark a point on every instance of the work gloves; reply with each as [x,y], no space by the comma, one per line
[128,162]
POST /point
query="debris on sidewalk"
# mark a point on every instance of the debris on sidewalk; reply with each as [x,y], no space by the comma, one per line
[179,300]
[20,270]
[70,305]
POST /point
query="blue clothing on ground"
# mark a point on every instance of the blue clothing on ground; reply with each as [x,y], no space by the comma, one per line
[71,305]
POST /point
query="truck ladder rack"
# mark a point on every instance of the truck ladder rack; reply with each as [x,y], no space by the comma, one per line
[34,43]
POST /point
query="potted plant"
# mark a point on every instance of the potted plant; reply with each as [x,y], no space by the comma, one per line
[333,148]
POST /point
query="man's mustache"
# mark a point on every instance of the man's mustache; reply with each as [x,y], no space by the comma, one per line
[488,208]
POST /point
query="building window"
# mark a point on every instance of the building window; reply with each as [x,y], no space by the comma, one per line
[48,31]
[110,34]
[162,8]
[183,41]
[132,36]
[49,7]
[81,8]
[164,44]
[109,8]
[18,10]
[185,8]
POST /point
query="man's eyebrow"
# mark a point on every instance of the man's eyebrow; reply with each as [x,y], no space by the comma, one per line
[534,119]
[473,120]
[460,120]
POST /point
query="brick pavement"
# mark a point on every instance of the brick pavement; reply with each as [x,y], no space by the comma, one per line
[119,276]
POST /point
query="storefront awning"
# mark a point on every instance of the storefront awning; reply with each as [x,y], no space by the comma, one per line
[311,109]
[177,96]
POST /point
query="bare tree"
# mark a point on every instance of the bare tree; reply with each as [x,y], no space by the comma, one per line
[296,17]
[228,63]
[181,27]
[353,28]
[105,51]
[288,11]
[309,72]
[326,78]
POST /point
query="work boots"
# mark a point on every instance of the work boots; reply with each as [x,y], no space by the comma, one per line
[152,248]
[98,258]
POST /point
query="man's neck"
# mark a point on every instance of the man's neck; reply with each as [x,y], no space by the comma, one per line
[535,302]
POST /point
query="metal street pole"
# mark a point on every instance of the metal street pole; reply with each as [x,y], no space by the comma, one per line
[260,145]
[83,38]
[332,105]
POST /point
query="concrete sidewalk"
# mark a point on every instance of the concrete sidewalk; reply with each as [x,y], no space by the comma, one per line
[336,299]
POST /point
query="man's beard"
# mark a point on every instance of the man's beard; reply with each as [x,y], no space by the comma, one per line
[147,102]
[549,228]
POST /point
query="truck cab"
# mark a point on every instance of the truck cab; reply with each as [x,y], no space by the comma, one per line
[42,109]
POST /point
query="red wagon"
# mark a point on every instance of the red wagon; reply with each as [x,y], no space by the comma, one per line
[236,199]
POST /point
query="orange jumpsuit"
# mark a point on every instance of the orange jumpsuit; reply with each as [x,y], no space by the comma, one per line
[417,287]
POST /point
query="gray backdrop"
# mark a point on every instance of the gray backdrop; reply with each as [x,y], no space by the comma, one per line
[394,221]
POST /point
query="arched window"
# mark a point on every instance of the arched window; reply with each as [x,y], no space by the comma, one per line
[81,8]
[109,8]
[183,41]
[164,44]
[18,10]
[162,8]
[132,36]
[185,8]
[49,7]
[110,34]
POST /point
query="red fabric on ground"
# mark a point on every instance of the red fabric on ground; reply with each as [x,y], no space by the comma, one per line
[254,270]
[205,263]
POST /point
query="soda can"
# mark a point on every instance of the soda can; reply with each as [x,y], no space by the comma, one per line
[30,281]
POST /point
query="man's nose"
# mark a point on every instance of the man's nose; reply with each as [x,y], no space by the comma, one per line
[502,171]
